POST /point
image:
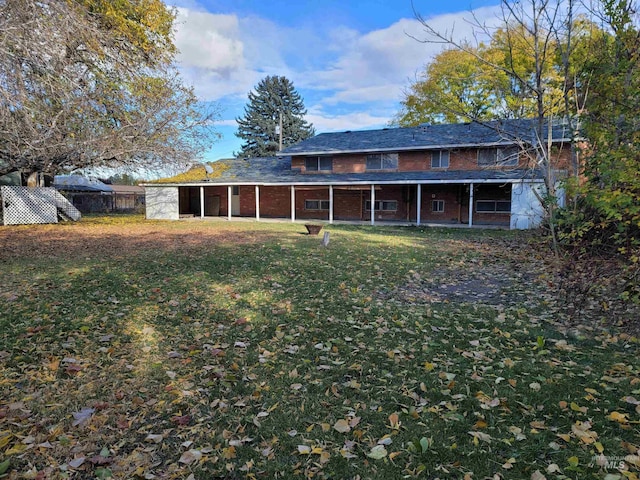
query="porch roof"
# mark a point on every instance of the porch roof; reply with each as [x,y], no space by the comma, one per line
[271,171]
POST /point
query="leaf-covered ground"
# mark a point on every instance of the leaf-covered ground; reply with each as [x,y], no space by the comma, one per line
[134,349]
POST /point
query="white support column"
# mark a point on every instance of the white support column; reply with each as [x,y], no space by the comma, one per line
[201,202]
[330,203]
[471,205]
[293,203]
[229,194]
[257,203]
[373,204]
[419,204]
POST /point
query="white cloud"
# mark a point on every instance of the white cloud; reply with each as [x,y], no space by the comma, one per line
[226,123]
[382,62]
[324,122]
[209,41]
[354,79]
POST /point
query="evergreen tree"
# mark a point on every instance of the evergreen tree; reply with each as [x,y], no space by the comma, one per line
[273,96]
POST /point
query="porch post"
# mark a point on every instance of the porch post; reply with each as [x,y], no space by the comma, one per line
[373,204]
[471,204]
[330,203]
[229,193]
[293,203]
[257,203]
[201,202]
[419,205]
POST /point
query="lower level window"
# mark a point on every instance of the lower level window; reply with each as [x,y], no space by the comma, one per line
[316,204]
[382,205]
[493,206]
[437,206]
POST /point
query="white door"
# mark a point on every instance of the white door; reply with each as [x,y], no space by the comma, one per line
[235,201]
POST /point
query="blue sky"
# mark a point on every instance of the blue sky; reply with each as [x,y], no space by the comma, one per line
[350,59]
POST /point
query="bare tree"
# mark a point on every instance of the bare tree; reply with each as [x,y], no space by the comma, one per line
[540,30]
[80,88]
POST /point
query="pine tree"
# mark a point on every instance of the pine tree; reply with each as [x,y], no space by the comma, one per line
[273,96]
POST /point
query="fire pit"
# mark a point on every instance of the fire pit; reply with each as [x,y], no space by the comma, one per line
[313,229]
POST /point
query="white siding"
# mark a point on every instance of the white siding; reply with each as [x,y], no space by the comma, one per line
[162,203]
[526,209]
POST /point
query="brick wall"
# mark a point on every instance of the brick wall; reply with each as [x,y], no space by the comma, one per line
[463,159]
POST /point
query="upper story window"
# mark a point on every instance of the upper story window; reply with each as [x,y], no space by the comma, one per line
[318,164]
[382,161]
[440,159]
[498,157]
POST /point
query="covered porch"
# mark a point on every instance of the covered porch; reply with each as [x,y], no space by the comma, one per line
[415,203]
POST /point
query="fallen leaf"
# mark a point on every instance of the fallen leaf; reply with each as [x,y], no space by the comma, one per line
[190,456]
[377,452]
[154,438]
[83,416]
[342,426]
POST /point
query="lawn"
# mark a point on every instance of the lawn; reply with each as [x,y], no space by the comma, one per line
[202,350]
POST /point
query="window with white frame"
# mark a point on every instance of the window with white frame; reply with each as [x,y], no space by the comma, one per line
[440,159]
[437,206]
[318,164]
[382,161]
[316,204]
[501,157]
[493,206]
[382,205]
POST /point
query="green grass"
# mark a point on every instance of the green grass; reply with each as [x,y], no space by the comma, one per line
[241,346]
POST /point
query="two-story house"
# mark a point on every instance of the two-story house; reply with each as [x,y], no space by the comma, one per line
[470,174]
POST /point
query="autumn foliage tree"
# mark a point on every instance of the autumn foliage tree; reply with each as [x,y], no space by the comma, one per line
[610,198]
[90,83]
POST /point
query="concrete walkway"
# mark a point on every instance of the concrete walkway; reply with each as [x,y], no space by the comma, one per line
[379,223]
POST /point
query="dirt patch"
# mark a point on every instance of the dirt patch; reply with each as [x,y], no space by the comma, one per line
[493,274]
[115,241]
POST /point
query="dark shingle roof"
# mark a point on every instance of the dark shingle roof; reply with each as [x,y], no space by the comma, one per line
[424,137]
[277,170]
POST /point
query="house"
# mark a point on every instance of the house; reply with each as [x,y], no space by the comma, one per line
[471,174]
[90,195]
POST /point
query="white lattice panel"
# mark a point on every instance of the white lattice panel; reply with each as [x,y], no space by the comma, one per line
[64,206]
[23,205]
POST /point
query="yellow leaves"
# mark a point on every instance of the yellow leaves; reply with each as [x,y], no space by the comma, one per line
[509,464]
[304,449]
[16,449]
[621,418]
[5,436]
[480,436]
[480,424]
[428,366]
[314,450]
[393,455]
[577,408]
[197,173]
[229,452]
[582,430]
